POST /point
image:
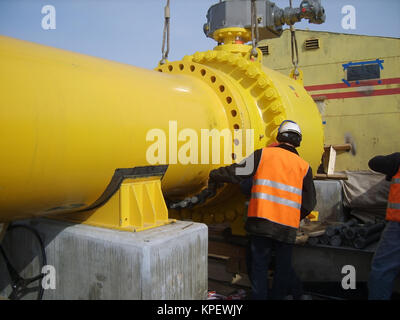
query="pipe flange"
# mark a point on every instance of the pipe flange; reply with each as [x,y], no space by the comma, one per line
[250,75]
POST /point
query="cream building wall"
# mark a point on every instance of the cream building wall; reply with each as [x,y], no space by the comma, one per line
[365,112]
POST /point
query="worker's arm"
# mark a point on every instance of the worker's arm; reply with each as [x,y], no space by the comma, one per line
[388,165]
[246,185]
[237,172]
[309,198]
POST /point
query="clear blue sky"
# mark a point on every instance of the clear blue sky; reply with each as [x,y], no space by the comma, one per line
[130,31]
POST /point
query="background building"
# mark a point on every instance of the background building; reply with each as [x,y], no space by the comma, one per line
[355,81]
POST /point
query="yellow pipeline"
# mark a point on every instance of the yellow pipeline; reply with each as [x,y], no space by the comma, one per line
[68,121]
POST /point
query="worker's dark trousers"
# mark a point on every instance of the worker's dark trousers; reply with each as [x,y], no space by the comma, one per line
[385,264]
[261,252]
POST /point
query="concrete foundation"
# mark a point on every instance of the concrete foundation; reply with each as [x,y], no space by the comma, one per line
[168,262]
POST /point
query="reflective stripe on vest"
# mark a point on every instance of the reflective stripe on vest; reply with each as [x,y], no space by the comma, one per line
[265,182]
[277,187]
[393,207]
[265,196]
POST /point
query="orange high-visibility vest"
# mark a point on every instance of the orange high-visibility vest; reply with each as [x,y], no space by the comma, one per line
[393,207]
[276,194]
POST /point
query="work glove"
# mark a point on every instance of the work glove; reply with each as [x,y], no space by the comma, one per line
[199,198]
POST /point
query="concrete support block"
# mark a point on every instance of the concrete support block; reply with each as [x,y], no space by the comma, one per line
[167,262]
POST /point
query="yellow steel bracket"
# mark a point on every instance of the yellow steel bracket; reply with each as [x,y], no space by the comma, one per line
[137,205]
[299,77]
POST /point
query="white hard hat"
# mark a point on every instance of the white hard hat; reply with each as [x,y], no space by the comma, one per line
[289,126]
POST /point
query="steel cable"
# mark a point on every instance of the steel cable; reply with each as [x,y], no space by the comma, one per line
[294,48]
[166,34]
[254,30]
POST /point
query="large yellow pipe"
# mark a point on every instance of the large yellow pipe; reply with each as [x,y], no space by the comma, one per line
[68,121]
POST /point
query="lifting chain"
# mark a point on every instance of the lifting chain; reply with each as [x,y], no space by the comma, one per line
[165,41]
[295,51]
[254,30]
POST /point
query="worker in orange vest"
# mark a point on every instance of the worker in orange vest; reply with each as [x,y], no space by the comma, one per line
[386,262]
[282,194]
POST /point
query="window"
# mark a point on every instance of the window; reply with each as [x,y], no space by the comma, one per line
[363,72]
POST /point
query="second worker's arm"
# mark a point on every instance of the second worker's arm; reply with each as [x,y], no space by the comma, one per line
[237,172]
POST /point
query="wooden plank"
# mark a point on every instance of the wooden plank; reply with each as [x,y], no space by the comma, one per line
[336,176]
[329,161]
[338,147]
[301,238]
[218,256]
[316,233]
[332,161]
